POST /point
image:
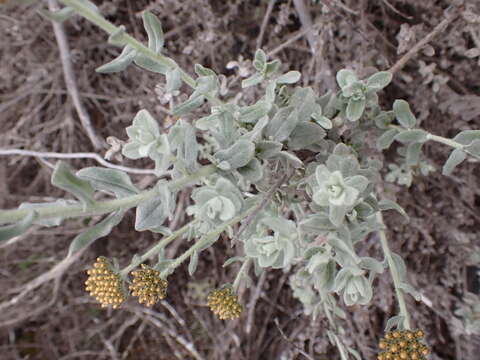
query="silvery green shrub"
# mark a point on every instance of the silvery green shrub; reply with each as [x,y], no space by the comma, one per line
[289,177]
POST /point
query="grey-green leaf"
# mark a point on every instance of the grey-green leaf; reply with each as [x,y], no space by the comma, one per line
[403,114]
[149,64]
[412,136]
[116,38]
[65,179]
[237,155]
[110,180]
[410,289]
[413,153]
[153,26]
[260,61]
[150,214]
[355,109]
[394,321]
[103,228]
[253,171]
[379,80]
[456,157]
[290,77]
[52,221]
[386,204]
[58,16]
[386,139]
[192,266]
[188,106]
[174,79]
[119,63]
[11,231]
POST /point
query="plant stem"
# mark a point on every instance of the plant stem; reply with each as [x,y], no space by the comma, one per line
[156,248]
[204,240]
[97,19]
[241,272]
[101,207]
[394,273]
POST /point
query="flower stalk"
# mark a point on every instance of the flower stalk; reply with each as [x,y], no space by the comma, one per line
[204,240]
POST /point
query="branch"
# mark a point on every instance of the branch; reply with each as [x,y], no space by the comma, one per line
[306,21]
[70,80]
[414,50]
[101,207]
[260,206]
[93,156]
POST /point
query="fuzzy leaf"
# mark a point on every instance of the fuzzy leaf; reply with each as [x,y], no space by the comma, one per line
[11,231]
[237,155]
[151,214]
[412,136]
[305,134]
[345,77]
[386,139]
[403,114]
[174,80]
[253,171]
[456,157]
[63,178]
[387,204]
[379,80]
[153,26]
[192,266]
[58,16]
[48,221]
[413,153]
[188,106]
[149,64]
[282,124]
[394,321]
[103,228]
[260,61]
[116,38]
[120,63]
[467,136]
[411,290]
[290,77]
[252,80]
[110,180]
[355,109]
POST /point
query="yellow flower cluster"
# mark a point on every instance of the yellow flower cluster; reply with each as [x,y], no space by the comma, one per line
[403,345]
[224,303]
[148,286]
[104,284]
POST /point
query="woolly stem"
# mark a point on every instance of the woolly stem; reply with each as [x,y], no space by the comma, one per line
[394,273]
[100,207]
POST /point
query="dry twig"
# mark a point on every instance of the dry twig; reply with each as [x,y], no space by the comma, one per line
[70,80]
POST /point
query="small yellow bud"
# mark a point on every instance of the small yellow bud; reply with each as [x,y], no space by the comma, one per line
[224,303]
[148,286]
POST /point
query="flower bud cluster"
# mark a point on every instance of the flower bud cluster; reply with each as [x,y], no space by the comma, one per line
[224,303]
[104,284]
[403,345]
[148,286]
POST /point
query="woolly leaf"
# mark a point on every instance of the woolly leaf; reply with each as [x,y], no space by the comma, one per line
[65,179]
[403,114]
[456,157]
[379,80]
[412,136]
[153,26]
[119,63]
[58,16]
[109,180]
[103,228]
[192,266]
[11,231]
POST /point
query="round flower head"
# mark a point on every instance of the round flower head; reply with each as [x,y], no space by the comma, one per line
[403,345]
[148,286]
[224,303]
[104,284]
